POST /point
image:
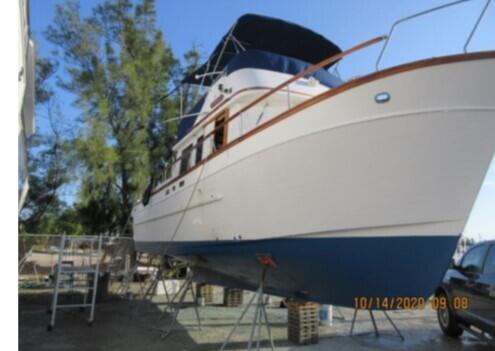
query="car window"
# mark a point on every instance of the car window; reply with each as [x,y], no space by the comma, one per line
[473,260]
[490,261]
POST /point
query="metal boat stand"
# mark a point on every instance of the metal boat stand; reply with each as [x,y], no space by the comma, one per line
[186,286]
[125,285]
[377,334]
[160,277]
[260,315]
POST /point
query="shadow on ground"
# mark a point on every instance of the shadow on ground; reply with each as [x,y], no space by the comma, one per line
[122,325]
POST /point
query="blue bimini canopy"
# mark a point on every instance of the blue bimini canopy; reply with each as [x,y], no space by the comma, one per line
[255,32]
[278,63]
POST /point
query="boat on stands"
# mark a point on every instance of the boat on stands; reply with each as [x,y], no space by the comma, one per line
[357,188]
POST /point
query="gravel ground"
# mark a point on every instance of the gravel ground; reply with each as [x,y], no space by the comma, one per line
[121,326]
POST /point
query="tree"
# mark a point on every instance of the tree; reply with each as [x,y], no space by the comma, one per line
[190,93]
[119,70]
[49,160]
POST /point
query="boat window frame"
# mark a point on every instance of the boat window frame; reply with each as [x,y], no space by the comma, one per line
[224,114]
[198,156]
[185,158]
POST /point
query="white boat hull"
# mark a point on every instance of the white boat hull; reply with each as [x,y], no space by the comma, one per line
[345,167]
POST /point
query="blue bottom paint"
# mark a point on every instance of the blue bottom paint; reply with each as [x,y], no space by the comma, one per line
[326,270]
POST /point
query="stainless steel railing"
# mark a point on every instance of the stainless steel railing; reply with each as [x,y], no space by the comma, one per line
[422,13]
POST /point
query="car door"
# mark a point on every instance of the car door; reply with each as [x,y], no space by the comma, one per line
[464,285]
[485,290]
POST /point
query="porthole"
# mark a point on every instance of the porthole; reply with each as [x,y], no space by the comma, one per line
[382,97]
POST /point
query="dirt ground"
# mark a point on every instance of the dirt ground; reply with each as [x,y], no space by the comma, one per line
[122,324]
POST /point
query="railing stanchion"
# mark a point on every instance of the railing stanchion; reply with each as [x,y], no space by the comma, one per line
[288,97]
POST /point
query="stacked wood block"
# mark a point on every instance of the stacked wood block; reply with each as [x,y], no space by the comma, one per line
[232,297]
[303,322]
[205,291]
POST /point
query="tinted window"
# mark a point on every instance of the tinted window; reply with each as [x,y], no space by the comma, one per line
[199,149]
[473,260]
[220,133]
[490,261]
[184,162]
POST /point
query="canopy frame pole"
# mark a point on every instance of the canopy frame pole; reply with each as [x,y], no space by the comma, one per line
[225,42]
[237,43]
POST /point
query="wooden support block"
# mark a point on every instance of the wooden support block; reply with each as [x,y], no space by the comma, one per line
[303,321]
[232,297]
[205,291]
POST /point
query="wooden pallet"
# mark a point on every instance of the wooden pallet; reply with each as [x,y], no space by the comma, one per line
[232,297]
[303,321]
[205,291]
[303,338]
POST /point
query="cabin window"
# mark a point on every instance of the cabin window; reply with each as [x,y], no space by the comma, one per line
[220,134]
[184,161]
[168,171]
[170,165]
[199,149]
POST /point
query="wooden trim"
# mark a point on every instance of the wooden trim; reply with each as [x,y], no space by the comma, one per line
[216,101]
[187,151]
[338,90]
[199,142]
[230,98]
[224,125]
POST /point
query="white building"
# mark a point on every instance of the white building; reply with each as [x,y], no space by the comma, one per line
[26,97]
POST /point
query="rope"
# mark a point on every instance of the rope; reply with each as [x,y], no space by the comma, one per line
[185,209]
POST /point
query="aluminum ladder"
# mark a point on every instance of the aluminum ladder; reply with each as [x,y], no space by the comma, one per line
[77,270]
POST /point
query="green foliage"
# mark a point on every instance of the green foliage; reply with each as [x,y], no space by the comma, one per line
[120,71]
[49,162]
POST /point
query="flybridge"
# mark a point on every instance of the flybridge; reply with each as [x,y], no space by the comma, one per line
[255,32]
[259,59]
[262,42]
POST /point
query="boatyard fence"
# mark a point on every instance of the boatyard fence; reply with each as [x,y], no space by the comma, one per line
[38,256]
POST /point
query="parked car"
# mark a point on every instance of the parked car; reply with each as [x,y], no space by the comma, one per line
[468,288]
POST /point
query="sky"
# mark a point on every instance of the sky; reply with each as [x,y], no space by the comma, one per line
[347,23]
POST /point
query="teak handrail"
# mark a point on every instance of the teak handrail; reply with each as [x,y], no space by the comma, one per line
[279,87]
[307,71]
